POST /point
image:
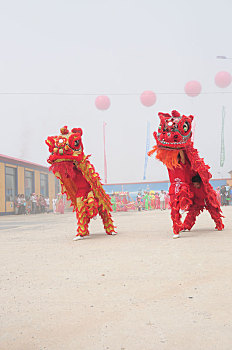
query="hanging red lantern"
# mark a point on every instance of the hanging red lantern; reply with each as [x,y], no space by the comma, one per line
[223,79]
[192,88]
[102,102]
[148,98]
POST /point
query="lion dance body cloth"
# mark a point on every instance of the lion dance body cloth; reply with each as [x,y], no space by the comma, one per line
[79,180]
[174,148]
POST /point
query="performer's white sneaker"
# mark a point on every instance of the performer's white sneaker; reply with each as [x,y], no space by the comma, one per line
[176,236]
[77,238]
[113,233]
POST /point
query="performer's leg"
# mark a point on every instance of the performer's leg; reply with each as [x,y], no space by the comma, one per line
[216,216]
[190,219]
[181,200]
[107,221]
[83,224]
[176,219]
[176,216]
[82,217]
[91,205]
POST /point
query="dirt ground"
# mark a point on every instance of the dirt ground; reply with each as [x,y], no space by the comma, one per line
[139,290]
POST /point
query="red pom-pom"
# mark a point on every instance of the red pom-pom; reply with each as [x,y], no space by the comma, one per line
[77,130]
[64,130]
[175,114]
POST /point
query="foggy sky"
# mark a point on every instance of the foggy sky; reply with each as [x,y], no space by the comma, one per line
[119,48]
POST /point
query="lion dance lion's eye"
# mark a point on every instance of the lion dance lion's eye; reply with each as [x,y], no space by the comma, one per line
[75,141]
[186,126]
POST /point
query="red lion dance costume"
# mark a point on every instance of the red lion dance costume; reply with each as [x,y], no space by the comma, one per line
[79,180]
[175,149]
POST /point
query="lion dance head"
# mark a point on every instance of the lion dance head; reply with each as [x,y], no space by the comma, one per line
[65,147]
[174,134]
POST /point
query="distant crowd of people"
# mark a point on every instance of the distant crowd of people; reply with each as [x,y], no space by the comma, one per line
[35,204]
[153,200]
[146,200]
[224,195]
[31,205]
[121,201]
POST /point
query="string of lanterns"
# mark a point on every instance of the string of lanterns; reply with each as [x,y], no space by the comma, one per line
[192,89]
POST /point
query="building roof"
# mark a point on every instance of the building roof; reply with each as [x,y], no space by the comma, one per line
[21,162]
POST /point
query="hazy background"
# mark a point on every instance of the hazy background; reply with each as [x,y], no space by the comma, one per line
[120,47]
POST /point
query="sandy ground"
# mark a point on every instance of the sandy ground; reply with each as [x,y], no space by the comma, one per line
[139,290]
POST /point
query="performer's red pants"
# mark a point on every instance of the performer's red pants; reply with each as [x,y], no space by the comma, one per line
[195,210]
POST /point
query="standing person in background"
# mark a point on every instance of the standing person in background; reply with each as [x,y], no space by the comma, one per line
[28,205]
[54,205]
[139,201]
[157,201]
[167,200]
[152,199]
[146,199]
[230,194]
[223,195]
[218,195]
[162,200]
[42,203]
[20,203]
[228,198]
[60,204]
[149,201]
[47,204]
[113,202]
[33,202]
[16,205]
[23,204]
[38,206]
